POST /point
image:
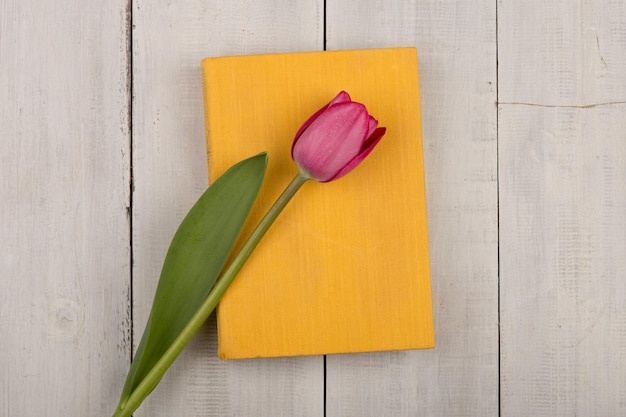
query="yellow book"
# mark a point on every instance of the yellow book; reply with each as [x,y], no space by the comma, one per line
[345,266]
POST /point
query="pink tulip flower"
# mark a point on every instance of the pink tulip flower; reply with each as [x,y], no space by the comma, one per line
[335,139]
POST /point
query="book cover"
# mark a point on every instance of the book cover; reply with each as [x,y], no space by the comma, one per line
[345,268]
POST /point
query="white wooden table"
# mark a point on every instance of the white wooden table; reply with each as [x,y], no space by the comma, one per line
[102,153]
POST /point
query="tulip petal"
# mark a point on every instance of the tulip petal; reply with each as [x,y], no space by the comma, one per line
[373,124]
[342,97]
[333,140]
[369,145]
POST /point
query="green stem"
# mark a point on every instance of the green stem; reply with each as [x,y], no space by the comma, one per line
[156,373]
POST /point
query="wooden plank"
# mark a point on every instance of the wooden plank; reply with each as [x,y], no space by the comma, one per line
[559,52]
[64,187]
[563,239]
[457,55]
[170,172]
[562,161]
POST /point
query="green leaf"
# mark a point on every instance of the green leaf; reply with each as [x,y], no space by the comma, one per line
[194,261]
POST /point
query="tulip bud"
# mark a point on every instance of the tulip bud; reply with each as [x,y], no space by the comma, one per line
[335,139]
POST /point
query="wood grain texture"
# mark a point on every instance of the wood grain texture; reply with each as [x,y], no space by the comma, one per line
[65,181]
[64,192]
[457,56]
[563,235]
[560,52]
[170,172]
